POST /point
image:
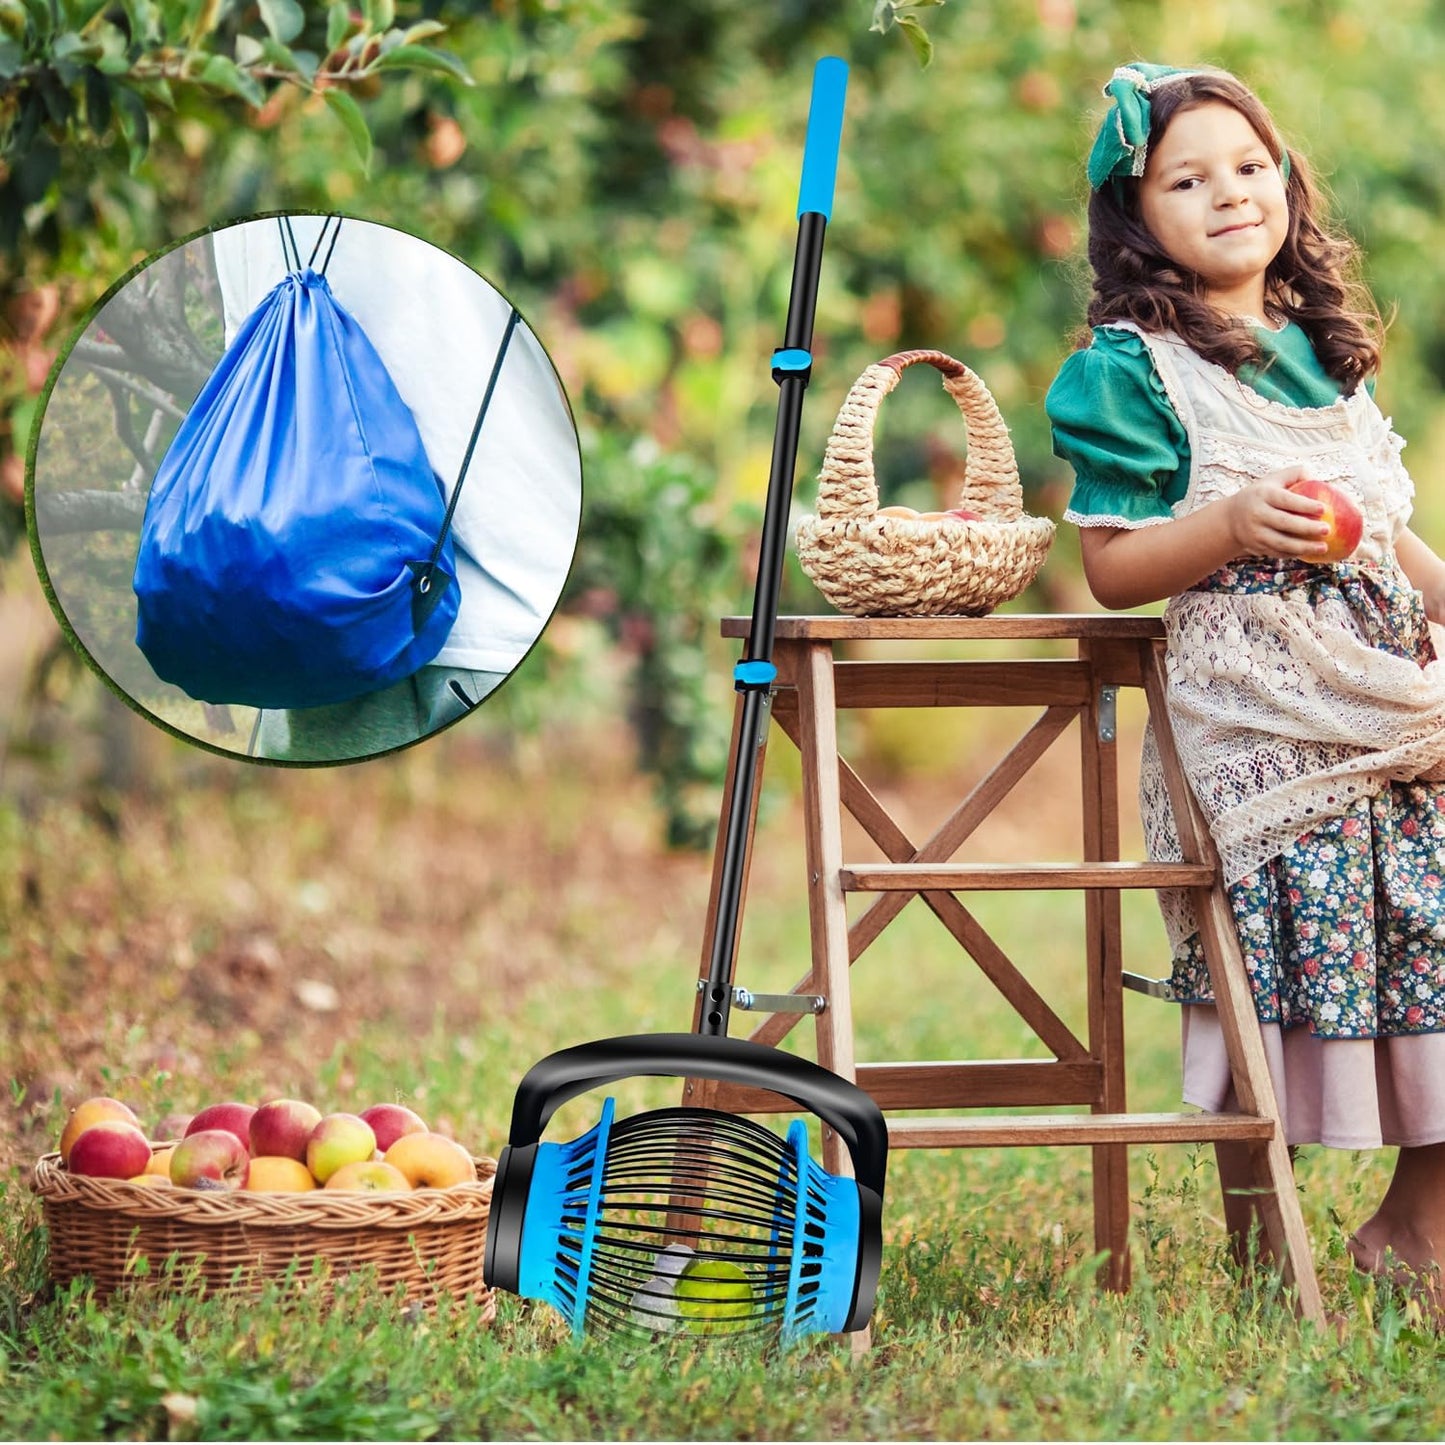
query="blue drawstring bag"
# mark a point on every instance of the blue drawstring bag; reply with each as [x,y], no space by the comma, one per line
[296,547]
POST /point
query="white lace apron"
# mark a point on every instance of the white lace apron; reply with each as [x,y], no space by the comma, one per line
[1284,713]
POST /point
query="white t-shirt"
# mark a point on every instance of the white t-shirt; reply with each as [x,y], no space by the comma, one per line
[437,325]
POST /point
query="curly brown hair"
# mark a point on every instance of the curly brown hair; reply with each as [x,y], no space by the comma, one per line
[1314,280]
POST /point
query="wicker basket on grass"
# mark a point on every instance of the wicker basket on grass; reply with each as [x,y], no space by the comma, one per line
[889,566]
[429,1240]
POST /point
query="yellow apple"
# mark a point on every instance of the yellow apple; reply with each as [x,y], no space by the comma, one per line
[277,1174]
[161,1161]
[373,1176]
[431,1161]
[92,1111]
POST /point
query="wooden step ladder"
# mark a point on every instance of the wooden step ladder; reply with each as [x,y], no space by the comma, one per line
[1108,652]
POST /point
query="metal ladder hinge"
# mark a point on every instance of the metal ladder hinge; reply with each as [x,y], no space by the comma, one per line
[1108,713]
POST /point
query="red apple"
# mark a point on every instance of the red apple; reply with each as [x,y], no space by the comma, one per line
[173,1126]
[88,1114]
[210,1159]
[235,1118]
[390,1121]
[962,514]
[111,1149]
[281,1129]
[337,1140]
[1345,521]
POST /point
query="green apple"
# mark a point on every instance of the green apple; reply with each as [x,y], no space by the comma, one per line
[337,1140]
[713,1296]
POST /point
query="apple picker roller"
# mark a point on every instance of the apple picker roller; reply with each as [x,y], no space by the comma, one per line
[772,1245]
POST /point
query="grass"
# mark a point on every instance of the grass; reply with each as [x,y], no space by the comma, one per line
[474,905]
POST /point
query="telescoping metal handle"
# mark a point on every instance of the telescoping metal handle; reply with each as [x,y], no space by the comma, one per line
[792,367]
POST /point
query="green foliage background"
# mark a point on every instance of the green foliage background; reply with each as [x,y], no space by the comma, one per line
[629,178]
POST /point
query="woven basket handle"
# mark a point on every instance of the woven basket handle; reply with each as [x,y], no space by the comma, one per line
[847,486]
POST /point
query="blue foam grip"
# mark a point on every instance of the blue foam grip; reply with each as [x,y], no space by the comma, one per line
[825,135]
[559,1228]
[823,1271]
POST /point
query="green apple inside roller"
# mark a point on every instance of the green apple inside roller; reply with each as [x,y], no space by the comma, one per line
[713,1297]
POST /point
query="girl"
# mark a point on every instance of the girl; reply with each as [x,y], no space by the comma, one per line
[1229,356]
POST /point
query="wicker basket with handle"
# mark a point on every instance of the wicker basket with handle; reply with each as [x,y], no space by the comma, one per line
[430,1240]
[886,566]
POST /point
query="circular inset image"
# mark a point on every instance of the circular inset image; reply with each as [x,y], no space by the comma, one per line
[306,489]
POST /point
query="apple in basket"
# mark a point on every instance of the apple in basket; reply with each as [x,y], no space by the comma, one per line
[431,1161]
[111,1149]
[337,1140]
[390,1121]
[907,513]
[372,1176]
[233,1117]
[272,1174]
[1341,515]
[91,1112]
[210,1159]
[282,1129]
[172,1126]
[963,514]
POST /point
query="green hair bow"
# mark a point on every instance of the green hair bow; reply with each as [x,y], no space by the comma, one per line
[1122,145]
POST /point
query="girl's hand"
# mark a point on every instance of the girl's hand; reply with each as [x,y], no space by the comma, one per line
[1267,520]
[1129,566]
[1426,573]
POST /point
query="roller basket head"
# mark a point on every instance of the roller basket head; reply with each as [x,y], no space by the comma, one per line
[694,1222]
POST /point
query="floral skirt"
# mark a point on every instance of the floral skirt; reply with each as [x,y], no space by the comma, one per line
[1344,932]
[1343,938]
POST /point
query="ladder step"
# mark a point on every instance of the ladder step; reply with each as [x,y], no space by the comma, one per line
[950,877]
[1006,1130]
